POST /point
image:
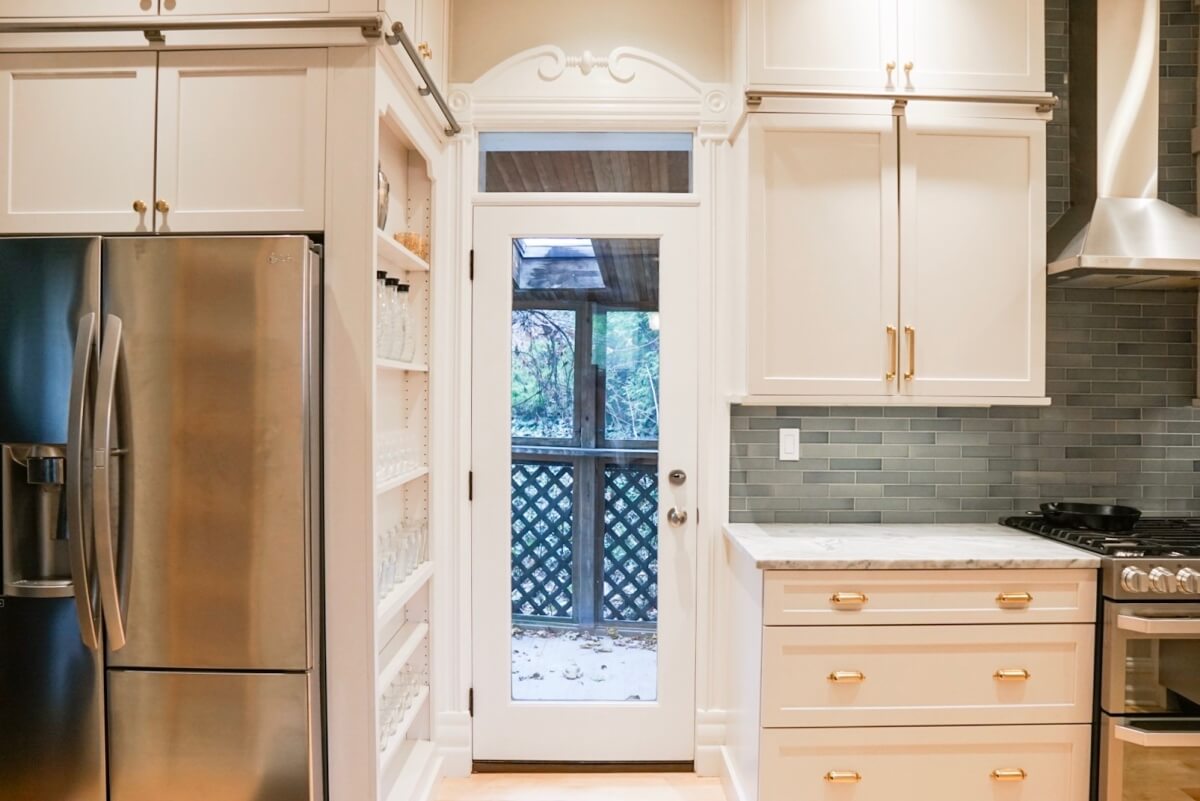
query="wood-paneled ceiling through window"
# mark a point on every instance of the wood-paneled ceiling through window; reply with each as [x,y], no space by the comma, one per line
[661,171]
[628,269]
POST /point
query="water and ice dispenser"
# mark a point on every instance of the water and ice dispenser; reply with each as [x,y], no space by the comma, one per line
[35,558]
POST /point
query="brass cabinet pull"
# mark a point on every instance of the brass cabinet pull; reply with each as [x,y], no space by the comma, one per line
[139,206]
[848,598]
[1011,674]
[162,206]
[1014,599]
[893,352]
[847,677]
[1009,775]
[843,777]
[911,333]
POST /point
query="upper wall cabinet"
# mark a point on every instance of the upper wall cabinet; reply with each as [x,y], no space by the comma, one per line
[896,260]
[79,8]
[69,164]
[897,45]
[425,23]
[197,7]
[240,142]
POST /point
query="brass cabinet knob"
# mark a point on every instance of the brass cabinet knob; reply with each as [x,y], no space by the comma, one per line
[162,206]
[908,66]
[1009,775]
[843,777]
[139,206]
[425,50]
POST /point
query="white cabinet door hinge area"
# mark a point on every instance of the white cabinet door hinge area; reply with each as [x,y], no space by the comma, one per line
[77,142]
[241,141]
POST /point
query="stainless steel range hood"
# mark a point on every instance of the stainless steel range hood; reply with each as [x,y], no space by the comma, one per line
[1118,233]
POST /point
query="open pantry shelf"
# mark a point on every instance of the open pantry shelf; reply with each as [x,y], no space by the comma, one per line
[396,746]
[399,650]
[404,367]
[394,256]
[415,769]
[401,480]
[390,616]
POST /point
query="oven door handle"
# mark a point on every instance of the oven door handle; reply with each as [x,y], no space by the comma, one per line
[1157,739]
[1160,626]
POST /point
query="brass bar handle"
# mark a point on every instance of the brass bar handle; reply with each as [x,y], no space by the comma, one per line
[1011,674]
[911,333]
[894,353]
[847,677]
[1009,775]
[843,777]
[842,599]
[1014,599]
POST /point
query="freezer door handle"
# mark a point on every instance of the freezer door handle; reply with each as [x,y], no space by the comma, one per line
[115,607]
[81,567]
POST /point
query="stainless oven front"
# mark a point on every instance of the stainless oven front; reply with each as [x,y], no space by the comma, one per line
[1150,702]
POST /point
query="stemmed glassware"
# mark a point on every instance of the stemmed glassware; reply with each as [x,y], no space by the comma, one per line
[403,548]
[398,700]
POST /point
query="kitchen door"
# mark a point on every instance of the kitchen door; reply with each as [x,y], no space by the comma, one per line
[584,483]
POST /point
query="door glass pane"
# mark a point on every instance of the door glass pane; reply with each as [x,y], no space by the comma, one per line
[585,412]
[585,162]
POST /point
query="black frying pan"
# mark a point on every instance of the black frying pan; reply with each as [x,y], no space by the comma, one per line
[1095,516]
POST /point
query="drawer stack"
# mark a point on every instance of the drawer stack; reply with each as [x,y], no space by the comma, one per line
[935,685]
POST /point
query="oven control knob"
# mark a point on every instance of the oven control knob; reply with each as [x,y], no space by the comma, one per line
[1163,580]
[1134,579]
[1189,581]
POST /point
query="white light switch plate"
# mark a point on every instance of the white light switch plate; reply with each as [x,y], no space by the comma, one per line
[789,444]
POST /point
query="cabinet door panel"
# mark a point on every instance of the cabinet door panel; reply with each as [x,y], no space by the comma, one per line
[241,141]
[196,7]
[986,45]
[77,142]
[78,8]
[433,35]
[823,254]
[973,256]
[821,42]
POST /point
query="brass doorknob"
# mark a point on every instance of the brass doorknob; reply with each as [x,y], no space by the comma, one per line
[139,206]
[162,206]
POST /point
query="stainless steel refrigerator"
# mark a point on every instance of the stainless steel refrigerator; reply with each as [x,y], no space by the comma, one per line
[160,621]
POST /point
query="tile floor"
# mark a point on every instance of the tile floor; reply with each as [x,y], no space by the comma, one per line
[582,787]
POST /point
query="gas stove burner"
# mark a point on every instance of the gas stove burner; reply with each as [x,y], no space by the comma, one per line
[1151,537]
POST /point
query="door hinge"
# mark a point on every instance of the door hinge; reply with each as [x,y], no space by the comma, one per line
[472,263]
[471,702]
[470,485]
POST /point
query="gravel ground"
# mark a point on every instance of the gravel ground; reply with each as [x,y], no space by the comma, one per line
[571,665]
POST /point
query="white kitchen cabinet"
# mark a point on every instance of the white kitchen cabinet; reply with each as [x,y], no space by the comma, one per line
[896,45]
[241,141]
[994,45]
[823,254]
[973,255]
[432,42]
[836,43]
[199,7]
[857,289]
[69,164]
[78,8]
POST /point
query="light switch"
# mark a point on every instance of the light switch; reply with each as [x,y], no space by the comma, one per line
[789,444]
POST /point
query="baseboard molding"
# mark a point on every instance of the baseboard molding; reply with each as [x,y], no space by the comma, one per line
[454,743]
[710,739]
[729,780]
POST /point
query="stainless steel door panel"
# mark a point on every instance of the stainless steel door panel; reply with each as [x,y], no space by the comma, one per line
[51,705]
[211,431]
[209,736]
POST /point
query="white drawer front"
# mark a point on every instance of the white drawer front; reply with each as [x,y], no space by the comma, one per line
[914,597]
[927,764]
[926,675]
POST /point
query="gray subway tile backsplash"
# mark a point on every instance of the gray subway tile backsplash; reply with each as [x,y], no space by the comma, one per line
[1117,434]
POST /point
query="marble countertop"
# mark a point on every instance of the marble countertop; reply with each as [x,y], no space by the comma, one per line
[848,546]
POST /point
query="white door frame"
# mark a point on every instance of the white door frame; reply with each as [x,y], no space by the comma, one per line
[662,730]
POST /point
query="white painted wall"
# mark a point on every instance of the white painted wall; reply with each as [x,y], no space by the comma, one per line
[692,33]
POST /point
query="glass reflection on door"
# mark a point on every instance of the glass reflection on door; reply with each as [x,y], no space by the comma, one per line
[585,422]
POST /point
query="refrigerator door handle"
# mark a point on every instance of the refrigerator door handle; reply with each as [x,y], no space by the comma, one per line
[106,549]
[85,602]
